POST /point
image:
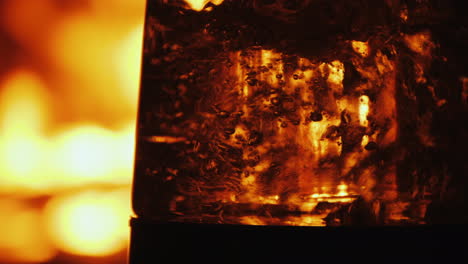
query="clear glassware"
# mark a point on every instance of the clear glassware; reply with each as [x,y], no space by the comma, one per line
[267,112]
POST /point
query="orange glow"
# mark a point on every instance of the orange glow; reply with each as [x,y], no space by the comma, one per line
[269,200]
[35,161]
[360,47]
[89,223]
[23,117]
[22,157]
[198,5]
[86,152]
[404,14]
[67,119]
[166,139]
[90,79]
[94,55]
[128,63]
[320,146]
[92,155]
[335,75]
[306,206]
[420,43]
[363,110]
[310,220]
[23,104]
[76,157]
[341,195]
[365,140]
[268,65]
[252,220]
[21,240]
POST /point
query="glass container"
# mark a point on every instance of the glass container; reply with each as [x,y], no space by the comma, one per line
[302,113]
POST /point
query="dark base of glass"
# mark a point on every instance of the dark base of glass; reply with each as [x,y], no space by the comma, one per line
[153,242]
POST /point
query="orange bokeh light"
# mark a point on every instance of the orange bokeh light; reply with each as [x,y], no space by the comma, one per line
[21,240]
[67,120]
[91,223]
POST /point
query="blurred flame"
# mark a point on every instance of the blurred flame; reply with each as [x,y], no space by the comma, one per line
[90,63]
[82,154]
[78,156]
[24,116]
[21,241]
[90,223]
[23,104]
[96,56]
[85,151]
[127,57]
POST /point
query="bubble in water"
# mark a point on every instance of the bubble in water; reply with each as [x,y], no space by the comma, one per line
[371,146]
[229,131]
[255,138]
[316,116]
[223,114]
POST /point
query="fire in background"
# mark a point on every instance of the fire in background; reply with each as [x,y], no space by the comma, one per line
[69,74]
[303,113]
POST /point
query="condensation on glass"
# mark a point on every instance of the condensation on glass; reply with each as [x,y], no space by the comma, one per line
[288,113]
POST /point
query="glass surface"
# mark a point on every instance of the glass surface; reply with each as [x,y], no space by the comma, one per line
[290,113]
